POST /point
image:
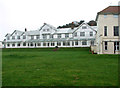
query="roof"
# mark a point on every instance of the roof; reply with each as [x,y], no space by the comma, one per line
[35,32]
[19,32]
[109,10]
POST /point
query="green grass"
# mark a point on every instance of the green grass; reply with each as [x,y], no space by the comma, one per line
[65,67]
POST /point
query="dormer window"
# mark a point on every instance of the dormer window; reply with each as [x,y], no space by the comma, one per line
[47,29]
[24,37]
[13,37]
[8,38]
[18,37]
[32,37]
[37,37]
[84,27]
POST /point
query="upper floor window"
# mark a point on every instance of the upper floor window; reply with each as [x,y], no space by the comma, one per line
[44,36]
[59,35]
[115,16]
[13,37]
[91,33]
[18,37]
[84,27]
[32,37]
[66,35]
[82,33]
[8,38]
[37,37]
[105,15]
[116,30]
[24,37]
[105,30]
[75,34]
[51,36]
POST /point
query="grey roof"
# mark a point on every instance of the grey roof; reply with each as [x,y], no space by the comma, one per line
[35,32]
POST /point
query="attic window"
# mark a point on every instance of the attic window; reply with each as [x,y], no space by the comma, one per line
[105,15]
[84,27]
[115,16]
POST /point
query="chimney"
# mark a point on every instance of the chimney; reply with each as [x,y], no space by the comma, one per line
[25,29]
[72,25]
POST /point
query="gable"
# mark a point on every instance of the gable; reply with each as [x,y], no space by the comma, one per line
[16,32]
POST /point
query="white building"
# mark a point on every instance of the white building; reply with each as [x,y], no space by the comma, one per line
[49,36]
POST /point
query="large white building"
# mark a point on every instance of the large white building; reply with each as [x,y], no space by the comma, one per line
[49,36]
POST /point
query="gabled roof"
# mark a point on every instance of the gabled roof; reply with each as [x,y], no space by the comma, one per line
[8,34]
[87,26]
[48,25]
[109,10]
[19,32]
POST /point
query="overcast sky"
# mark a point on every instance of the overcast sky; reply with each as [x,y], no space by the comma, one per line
[31,14]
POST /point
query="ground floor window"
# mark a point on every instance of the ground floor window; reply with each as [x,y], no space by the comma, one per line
[8,44]
[24,44]
[116,46]
[72,43]
[18,44]
[105,45]
[76,42]
[92,42]
[52,44]
[44,44]
[31,44]
[58,43]
[38,44]
[68,43]
[64,43]
[84,42]
[13,45]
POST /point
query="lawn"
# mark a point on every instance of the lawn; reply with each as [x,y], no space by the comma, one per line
[65,67]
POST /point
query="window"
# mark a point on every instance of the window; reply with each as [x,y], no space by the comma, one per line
[52,44]
[92,42]
[18,44]
[105,30]
[39,44]
[13,37]
[37,37]
[84,27]
[116,30]
[31,44]
[105,44]
[32,37]
[24,37]
[75,34]
[24,44]
[59,35]
[84,42]
[51,36]
[76,42]
[82,33]
[72,43]
[68,43]
[47,29]
[13,45]
[8,38]
[105,15]
[116,46]
[91,33]
[115,16]
[58,43]
[44,44]
[18,37]
[66,35]
[44,36]
[64,43]
[8,45]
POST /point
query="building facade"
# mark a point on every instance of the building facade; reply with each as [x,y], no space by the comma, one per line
[108,33]
[49,36]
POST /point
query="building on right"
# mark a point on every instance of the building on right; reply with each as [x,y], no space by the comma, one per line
[108,33]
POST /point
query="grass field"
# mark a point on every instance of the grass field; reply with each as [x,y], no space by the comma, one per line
[65,67]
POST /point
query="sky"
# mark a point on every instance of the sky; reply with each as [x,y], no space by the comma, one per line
[31,14]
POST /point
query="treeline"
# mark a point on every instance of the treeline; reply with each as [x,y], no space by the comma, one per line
[76,24]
